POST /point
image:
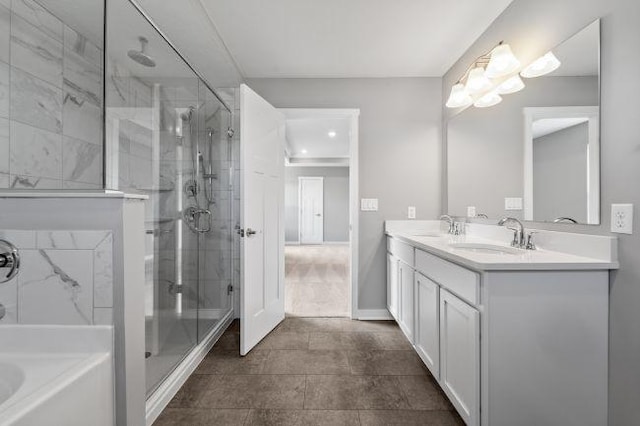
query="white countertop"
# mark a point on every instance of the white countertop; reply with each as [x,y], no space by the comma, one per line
[539,259]
[52,193]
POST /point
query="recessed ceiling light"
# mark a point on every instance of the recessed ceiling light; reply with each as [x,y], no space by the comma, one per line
[304,151]
[332,134]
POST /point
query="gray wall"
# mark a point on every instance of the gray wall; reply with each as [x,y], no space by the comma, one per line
[532,28]
[560,174]
[495,135]
[336,201]
[399,154]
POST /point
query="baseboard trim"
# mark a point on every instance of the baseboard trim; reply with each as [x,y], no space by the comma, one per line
[159,400]
[292,243]
[336,243]
[373,314]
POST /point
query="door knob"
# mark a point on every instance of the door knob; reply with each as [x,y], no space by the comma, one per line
[9,261]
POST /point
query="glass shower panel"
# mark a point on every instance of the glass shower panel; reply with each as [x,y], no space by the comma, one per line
[152,125]
[215,196]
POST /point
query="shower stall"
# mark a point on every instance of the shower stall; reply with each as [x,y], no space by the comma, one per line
[169,136]
[95,98]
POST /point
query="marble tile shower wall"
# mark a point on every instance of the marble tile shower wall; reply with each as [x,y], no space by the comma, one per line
[50,102]
[66,277]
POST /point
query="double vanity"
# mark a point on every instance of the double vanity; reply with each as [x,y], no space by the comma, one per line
[513,336]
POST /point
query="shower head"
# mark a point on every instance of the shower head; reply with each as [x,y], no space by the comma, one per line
[140,56]
[186,116]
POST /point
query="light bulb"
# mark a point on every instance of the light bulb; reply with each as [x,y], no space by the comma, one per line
[488,100]
[477,81]
[502,62]
[541,66]
[459,97]
[511,85]
[331,134]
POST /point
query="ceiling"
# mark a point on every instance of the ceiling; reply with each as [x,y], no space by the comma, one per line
[309,138]
[546,126]
[580,54]
[347,38]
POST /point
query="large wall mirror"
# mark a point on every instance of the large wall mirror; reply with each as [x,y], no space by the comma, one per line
[536,155]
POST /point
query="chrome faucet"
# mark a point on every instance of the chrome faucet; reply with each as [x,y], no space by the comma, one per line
[518,232]
[450,221]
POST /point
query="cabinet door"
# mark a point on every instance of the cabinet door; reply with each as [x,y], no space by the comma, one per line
[427,325]
[405,284]
[392,285]
[460,355]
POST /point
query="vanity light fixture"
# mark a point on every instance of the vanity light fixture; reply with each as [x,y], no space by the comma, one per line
[488,100]
[510,85]
[304,151]
[541,66]
[503,62]
[459,97]
[477,81]
[332,134]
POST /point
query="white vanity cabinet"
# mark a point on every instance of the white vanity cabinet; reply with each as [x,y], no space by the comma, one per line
[405,288]
[460,355]
[427,323]
[509,345]
[392,285]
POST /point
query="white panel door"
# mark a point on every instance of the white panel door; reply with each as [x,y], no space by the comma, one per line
[405,288]
[392,285]
[427,326]
[311,193]
[460,356]
[262,130]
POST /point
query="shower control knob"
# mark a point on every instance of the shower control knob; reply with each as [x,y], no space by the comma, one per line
[9,261]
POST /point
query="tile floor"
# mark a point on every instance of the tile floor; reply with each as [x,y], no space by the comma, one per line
[313,371]
[317,281]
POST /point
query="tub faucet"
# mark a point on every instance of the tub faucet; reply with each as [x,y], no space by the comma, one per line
[518,232]
[450,221]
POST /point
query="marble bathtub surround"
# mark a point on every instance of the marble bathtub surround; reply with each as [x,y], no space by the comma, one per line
[66,278]
[35,152]
[35,102]
[51,91]
[4,89]
[5,32]
[35,52]
[39,17]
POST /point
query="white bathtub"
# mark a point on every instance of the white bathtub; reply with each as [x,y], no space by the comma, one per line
[56,375]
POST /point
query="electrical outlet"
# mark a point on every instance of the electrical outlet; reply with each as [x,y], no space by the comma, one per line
[411,212]
[622,218]
[513,203]
[471,211]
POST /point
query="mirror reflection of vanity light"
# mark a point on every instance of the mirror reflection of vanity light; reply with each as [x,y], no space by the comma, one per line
[541,66]
[511,85]
[490,99]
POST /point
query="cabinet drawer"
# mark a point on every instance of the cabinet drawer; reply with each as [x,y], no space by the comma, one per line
[461,281]
[402,251]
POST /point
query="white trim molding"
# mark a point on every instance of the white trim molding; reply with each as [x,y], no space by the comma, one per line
[592,113]
[373,315]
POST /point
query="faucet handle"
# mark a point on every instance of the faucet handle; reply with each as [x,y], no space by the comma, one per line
[516,236]
[530,244]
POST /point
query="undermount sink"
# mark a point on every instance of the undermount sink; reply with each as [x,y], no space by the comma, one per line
[486,248]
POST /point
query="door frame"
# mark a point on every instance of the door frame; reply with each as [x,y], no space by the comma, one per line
[353,114]
[300,179]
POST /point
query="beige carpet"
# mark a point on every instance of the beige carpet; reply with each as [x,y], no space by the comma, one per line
[317,281]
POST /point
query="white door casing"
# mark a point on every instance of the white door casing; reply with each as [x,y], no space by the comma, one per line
[311,209]
[262,133]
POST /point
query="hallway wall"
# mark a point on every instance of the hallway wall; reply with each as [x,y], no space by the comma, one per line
[399,154]
[336,202]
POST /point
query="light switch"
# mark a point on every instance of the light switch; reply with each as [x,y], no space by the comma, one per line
[471,211]
[513,203]
[411,212]
[369,204]
[622,218]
